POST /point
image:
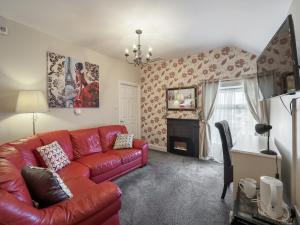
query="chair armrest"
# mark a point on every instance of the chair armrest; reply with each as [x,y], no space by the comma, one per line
[143,145]
[67,212]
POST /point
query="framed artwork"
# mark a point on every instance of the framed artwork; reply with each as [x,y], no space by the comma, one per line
[181,98]
[72,83]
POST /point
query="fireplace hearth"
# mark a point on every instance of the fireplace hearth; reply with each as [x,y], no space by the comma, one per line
[183,136]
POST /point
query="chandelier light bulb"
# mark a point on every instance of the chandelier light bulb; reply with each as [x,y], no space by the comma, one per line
[126,51]
[147,56]
[150,49]
[134,47]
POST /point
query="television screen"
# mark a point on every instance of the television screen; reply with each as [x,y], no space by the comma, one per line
[277,66]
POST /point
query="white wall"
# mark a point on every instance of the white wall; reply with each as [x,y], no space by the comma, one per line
[23,67]
[282,121]
[295,11]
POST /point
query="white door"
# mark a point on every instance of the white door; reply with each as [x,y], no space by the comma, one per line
[129,107]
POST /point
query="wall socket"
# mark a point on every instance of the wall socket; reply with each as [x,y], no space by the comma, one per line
[3,30]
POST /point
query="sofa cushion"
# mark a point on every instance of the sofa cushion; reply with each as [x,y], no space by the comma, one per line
[123,141]
[53,156]
[74,170]
[62,137]
[45,186]
[99,163]
[103,199]
[85,142]
[12,181]
[80,185]
[11,154]
[26,146]
[108,135]
[127,155]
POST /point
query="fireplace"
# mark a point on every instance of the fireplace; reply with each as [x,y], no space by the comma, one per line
[183,136]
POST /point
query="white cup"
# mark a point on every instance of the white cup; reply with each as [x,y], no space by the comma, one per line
[248,186]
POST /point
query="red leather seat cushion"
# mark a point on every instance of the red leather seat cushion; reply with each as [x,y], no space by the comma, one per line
[85,142]
[62,137]
[80,185]
[12,181]
[108,135]
[26,146]
[127,155]
[99,163]
[88,199]
[74,170]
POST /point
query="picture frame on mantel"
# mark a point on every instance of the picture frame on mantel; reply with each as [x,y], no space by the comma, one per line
[183,98]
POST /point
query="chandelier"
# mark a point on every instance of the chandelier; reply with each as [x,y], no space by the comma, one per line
[138,58]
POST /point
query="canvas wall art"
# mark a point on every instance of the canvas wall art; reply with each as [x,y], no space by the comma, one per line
[72,83]
[181,98]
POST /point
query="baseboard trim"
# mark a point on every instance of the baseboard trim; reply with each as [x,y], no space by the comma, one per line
[158,148]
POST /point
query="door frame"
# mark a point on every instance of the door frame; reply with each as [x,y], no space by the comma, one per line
[121,82]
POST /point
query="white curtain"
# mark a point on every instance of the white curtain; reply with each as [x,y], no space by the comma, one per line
[231,105]
[256,106]
[209,95]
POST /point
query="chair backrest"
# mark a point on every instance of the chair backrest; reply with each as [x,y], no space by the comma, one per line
[226,140]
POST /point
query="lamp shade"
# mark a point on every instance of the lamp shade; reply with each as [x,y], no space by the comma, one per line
[31,102]
[262,128]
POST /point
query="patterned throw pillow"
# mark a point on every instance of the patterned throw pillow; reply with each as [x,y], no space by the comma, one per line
[123,141]
[53,156]
[45,186]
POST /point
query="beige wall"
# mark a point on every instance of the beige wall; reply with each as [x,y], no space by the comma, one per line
[295,10]
[282,121]
[23,67]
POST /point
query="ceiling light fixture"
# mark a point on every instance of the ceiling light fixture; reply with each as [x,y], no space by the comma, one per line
[138,58]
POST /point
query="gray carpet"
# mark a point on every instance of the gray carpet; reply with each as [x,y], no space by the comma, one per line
[174,190]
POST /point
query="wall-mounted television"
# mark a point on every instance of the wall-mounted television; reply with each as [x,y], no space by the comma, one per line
[277,66]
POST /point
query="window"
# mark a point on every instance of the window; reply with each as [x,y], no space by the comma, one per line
[231,105]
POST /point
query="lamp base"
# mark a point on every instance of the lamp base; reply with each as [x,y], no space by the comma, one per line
[268,152]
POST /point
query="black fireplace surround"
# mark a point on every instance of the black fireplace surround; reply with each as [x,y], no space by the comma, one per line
[183,136]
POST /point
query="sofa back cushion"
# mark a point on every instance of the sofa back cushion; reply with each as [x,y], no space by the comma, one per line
[11,154]
[26,147]
[12,181]
[108,135]
[62,137]
[85,142]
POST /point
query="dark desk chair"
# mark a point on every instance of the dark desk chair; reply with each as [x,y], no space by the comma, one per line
[226,139]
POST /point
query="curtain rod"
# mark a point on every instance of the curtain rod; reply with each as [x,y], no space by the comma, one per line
[229,79]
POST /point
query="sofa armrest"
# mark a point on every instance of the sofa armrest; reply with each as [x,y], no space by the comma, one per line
[16,212]
[67,212]
[143,145]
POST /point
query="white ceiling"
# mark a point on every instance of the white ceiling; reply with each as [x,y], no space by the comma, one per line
[172,27]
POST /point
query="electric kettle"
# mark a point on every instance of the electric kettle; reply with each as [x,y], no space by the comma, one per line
[271,191]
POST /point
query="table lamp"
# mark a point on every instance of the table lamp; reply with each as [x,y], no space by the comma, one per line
[261,129]
[31,102]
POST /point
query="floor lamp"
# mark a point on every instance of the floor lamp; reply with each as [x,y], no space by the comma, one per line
[31,102]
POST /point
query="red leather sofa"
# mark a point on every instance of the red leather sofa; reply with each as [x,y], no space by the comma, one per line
[95,200]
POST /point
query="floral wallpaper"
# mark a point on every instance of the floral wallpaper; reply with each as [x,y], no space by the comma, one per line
[223,63]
